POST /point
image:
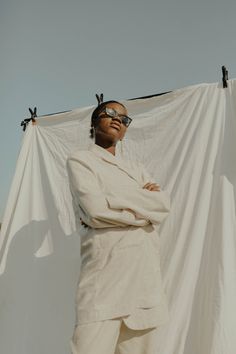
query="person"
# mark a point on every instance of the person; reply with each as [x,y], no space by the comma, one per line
[120,299]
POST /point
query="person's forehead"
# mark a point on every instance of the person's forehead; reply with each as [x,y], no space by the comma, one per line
[118,107]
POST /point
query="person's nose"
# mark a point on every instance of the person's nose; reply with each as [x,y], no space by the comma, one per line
[117,119]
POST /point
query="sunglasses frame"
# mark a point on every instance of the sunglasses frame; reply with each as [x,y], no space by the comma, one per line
[116,114]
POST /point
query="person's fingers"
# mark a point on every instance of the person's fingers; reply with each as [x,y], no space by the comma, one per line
[156,188]
[148,184]
[152,189]
[152,186]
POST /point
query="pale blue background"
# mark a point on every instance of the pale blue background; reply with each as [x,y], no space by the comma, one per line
[57,54]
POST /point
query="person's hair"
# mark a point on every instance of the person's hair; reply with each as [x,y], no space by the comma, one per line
[96,113]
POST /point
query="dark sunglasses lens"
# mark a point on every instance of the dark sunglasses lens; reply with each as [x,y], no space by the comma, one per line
[126,121]
[111,112]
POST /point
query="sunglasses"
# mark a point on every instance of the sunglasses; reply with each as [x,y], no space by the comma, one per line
[111,112]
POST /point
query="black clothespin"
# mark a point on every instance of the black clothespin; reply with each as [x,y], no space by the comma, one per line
[99,98]
[225,76]
[26,121]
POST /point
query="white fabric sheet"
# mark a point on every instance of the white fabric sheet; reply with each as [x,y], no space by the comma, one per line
[187,140]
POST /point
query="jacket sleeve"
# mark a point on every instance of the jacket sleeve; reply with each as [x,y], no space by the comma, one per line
[91,203]
[151,205]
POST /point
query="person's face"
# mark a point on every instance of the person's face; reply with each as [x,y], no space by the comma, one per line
[111,128]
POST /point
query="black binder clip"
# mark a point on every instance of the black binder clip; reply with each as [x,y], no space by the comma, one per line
[26,121]
[225,76]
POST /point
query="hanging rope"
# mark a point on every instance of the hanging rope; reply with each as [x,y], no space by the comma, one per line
[26,121]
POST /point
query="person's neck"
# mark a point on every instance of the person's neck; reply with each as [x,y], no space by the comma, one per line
[107,145]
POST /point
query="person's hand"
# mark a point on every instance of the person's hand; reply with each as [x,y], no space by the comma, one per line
[152,186]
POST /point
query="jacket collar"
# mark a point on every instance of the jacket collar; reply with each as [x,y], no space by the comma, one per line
[104,154]
[115,160]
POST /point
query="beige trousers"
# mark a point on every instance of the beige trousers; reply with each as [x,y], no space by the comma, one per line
[112,337]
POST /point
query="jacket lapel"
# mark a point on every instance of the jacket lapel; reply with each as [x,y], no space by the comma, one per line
[120,163]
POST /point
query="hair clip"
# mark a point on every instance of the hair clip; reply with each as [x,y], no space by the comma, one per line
[99,98]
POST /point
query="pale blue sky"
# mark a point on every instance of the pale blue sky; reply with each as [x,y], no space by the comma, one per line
[57,54]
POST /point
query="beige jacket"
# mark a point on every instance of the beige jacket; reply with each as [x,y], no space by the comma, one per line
[120,260]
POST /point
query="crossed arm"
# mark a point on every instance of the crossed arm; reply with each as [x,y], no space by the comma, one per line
[139,207]
[150,186]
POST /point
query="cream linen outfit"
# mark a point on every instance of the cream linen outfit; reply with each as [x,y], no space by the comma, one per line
[113,337]
[120,262]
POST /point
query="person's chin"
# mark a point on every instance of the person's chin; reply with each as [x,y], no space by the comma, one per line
[113,132]
[110,135]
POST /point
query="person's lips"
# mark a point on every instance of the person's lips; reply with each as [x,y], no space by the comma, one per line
[116,126]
